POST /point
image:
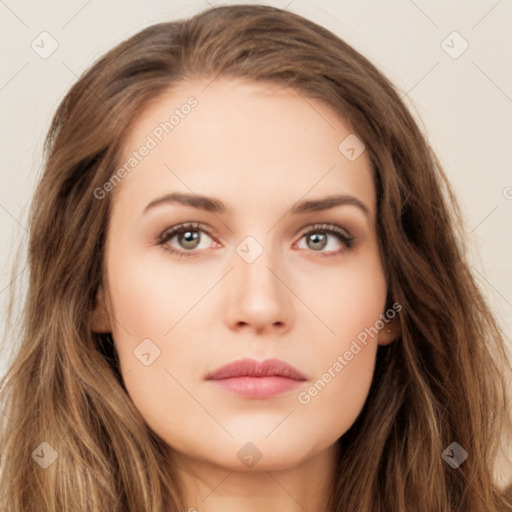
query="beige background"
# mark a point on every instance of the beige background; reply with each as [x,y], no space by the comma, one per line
[463,103]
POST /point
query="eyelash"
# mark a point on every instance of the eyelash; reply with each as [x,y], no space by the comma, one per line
[332,229]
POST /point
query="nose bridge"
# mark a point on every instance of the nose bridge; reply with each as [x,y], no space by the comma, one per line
[258,296]
[253,261]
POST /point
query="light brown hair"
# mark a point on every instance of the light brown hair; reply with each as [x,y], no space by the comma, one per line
[443,380]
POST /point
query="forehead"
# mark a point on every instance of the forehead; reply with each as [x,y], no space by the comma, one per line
[232,138]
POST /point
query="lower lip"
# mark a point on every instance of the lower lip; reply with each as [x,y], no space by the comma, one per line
[258,387]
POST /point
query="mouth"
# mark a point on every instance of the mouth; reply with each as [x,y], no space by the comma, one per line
[252,379]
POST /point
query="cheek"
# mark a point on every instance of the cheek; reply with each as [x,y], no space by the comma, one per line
[345,358]
[153,305]
[150,295]
[348,300]
[337,393]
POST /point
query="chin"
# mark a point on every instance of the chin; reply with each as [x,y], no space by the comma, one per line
[258,454]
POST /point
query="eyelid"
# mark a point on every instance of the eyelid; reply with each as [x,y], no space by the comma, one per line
[325,226]
[171,232]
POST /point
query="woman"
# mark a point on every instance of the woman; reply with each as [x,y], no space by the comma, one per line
[324,348]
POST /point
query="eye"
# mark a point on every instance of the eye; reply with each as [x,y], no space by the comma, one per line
[188,236]
[317,239]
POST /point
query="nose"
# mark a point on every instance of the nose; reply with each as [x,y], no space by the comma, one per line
[258,298]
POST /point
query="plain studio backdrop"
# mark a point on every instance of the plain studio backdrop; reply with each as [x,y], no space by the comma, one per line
[450,61]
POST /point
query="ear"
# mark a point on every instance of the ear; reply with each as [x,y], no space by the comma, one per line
[100,319]
[390,331]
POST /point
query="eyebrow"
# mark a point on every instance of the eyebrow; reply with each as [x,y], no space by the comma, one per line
[213,205]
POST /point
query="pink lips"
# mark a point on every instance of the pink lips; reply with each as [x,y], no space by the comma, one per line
[253,379]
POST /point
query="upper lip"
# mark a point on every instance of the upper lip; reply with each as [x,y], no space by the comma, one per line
[252,368]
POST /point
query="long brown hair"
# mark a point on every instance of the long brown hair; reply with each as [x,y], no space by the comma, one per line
[442,381]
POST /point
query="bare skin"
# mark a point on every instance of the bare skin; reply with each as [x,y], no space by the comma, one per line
[260,149]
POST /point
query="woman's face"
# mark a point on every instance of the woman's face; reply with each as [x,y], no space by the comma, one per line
[252,279]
